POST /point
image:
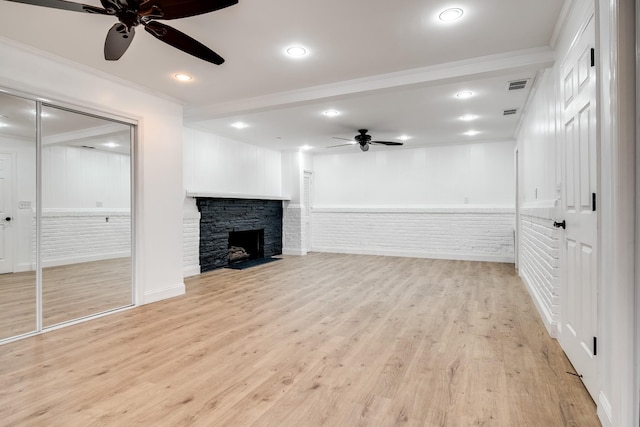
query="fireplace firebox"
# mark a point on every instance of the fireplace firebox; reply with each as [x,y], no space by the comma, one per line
[245,245]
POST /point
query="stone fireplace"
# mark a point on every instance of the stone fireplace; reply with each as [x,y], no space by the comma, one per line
[254,225]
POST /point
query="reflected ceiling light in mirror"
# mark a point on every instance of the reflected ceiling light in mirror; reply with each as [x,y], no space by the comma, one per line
[111,144]
[465,94]
[239,125]
[3,125]
[451,14]
[42,113]
[296,51]
[472,132]
[404,137]
[331,113]
[468,117]
[182,77]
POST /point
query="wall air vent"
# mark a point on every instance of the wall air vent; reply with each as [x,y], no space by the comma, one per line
[510,112]
[518,84]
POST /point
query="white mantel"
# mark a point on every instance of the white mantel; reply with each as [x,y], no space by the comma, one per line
[195,194]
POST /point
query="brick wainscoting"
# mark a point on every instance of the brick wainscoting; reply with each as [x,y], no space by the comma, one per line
[466,233]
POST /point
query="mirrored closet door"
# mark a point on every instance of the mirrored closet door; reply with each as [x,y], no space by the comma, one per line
[86,215]
[18,289]
[65,215]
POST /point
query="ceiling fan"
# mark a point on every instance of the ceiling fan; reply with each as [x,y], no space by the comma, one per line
[364,140]
[132,13]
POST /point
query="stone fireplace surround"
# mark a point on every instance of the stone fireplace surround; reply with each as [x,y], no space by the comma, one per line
[220,216]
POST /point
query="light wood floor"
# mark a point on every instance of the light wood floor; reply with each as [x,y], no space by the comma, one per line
[68,292]
[326,339]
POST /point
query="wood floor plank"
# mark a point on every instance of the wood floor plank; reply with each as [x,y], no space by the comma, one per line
[325,339]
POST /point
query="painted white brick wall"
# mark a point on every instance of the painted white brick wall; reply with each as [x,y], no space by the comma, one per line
[539,263]
[293,230]
[72,236]
[469,233]
[191,243]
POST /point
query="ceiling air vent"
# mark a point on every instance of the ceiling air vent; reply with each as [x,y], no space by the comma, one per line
[88,146]
[510,112]
[518,84]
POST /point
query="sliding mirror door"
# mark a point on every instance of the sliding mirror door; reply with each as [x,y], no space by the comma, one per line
[86,215]
[18,290]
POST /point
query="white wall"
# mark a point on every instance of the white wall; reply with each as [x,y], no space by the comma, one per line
[475,174]
[220,165]
[539,179]
[160,192]
[453,202]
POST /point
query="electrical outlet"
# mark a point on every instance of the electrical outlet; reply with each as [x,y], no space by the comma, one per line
[24,205]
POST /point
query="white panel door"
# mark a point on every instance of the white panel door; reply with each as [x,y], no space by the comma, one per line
[579,309]
[6,213]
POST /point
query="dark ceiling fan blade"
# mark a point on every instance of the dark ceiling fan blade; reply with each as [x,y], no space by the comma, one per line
[117,42]
[344,139]
[342,145]
[175,9]
[386,143]
[66,5]
[181,41]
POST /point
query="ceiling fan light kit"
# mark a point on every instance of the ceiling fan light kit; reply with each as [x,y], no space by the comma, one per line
[131,13]
[364,140]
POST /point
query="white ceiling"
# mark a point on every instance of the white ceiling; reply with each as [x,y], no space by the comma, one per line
[390,67]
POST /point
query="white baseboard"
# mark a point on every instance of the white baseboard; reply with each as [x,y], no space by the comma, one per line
[295,252]
[604,410]
[80,259]
[192,270]
[166,293]
[545,315]
[409,254]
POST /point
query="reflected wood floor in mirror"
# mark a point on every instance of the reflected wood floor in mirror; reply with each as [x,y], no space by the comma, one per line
[325,339]
[69,292]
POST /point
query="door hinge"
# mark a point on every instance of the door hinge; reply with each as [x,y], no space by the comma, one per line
[595,346]
[593,202]
[593,57]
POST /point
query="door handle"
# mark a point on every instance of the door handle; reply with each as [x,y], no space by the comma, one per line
[8,219]
[562,224]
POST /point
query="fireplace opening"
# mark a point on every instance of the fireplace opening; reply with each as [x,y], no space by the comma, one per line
[245,245]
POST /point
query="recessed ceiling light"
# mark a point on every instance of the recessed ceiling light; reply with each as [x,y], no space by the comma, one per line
[183,77]
[306,147]
[404,137]
[472,132]
[240,125]
[464,94]
[451,15]
[111,144]
[331,113]
[468,117]
[296,51]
